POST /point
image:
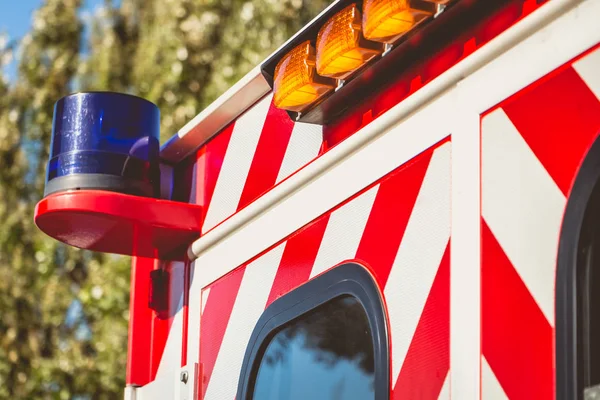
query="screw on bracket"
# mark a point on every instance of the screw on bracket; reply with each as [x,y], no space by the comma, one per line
[184,376]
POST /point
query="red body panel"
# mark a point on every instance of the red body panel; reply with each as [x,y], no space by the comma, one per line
[268,157]
[558,117]
[517,340]
[377,250]
[215,318]
[209,160]
[428,359]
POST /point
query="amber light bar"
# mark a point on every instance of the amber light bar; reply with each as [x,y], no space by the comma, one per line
[345,42]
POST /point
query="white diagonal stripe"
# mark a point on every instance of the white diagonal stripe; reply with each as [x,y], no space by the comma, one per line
[522,205]
[490,387]
[249,305]
[445,391]
[344,231]
[205,294]
[304,146]
[236,164]
[171,356]
[419,256]
[588,68]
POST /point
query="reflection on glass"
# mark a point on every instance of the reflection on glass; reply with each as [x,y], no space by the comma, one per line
[326,354]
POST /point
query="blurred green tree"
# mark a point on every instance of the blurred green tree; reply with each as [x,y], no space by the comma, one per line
[63,330]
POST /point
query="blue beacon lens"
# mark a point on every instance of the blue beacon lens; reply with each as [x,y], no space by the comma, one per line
[106,141]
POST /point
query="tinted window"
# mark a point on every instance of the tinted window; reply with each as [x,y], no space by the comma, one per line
[326,354]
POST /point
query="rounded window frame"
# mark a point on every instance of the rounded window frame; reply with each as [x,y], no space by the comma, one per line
[348,279]
[568,330]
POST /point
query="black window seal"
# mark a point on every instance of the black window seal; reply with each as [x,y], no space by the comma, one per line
[350,279]
[569,385]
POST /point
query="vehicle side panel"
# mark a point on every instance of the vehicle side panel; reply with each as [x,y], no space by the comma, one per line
[532,146]
[399,228]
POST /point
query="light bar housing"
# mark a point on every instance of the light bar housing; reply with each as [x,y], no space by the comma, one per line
[404,58]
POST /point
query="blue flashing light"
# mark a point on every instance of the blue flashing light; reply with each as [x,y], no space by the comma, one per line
[104,140]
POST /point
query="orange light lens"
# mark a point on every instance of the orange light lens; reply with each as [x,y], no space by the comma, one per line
[340,48]
[296,85]
[387,20]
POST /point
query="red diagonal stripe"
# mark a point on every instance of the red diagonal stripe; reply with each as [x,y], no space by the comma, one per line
[389,216]
[428,359]
[298,258]
[558,117]
[215,318]
[209,160]
[516,338]
[268,157]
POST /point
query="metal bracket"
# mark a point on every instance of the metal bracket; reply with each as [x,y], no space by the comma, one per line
[387,47]
[130,392]
[439,9]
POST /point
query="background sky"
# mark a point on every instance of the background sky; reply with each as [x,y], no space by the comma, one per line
[15,20]
[15,16]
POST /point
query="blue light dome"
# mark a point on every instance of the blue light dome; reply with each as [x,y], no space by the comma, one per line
[106,141]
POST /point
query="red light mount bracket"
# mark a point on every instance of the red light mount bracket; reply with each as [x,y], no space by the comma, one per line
[112,222]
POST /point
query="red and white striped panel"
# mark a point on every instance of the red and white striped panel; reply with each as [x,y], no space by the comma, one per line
[250,156]
[399,228]
[532,146]
[157,342]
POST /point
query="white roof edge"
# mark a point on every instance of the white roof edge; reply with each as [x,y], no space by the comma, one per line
[225,109]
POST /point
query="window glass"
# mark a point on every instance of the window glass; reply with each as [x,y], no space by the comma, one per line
[326,354]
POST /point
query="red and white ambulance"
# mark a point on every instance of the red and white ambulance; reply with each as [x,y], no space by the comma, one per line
[400,203]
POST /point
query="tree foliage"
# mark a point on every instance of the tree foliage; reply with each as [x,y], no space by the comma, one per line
[63,330]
